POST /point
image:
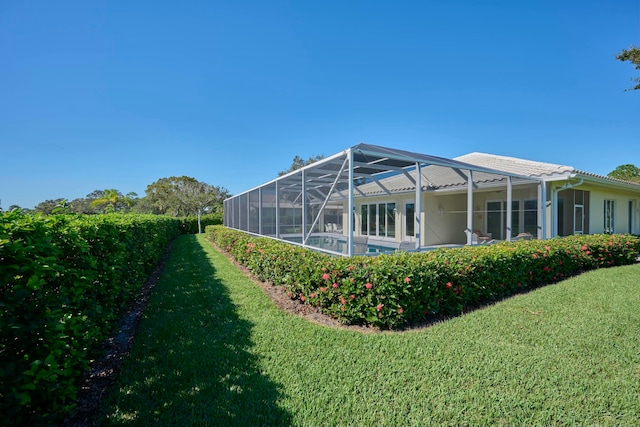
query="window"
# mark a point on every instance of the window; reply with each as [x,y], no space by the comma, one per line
[364,220]
[524,218]
[391,220]
[378,220]
[578,212]
[531,217]
[609,216]
[410,219]
[373,219]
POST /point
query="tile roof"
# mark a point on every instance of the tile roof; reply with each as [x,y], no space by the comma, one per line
[516,165]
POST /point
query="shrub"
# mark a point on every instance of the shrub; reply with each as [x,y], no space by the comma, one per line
[64,279]
[391,290]
[189,224]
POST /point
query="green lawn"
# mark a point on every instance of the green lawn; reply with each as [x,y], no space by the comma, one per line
[213,350]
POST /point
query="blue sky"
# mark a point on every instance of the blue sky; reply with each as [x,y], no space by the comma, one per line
[115,94]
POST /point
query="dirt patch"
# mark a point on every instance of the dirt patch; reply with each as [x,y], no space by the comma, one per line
[96,382]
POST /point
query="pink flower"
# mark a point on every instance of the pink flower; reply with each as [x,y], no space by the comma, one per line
[323,289]
[368,285]
[379,307]
[400,310]
[302,298]
[585,247]
[313,295]
[325,276]
[449,285]
[335,285]
[352,296]
[343,301]
[407,279]
[546,268]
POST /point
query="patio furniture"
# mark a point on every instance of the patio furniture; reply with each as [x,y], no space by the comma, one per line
[360,245]
[477,238]
[522,236]
[406,245]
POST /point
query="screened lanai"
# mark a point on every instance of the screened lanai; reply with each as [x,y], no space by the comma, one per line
[369,199]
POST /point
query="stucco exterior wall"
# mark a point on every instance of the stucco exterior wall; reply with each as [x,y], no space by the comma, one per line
[621,201]
[444,216]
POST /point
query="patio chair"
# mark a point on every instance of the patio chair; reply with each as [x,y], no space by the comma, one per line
[406,245]
[477,238]
[360,245]
[522,236]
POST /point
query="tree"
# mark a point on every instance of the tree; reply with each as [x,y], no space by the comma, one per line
[183,196]
[626,172]
[299,163]
[199,197]
[632,55]
[144,206]
[47,207]
[114,201]
[82,205]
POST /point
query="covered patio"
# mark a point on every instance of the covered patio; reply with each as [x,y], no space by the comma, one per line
[369,199]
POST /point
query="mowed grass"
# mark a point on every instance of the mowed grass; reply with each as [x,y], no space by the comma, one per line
[213,350]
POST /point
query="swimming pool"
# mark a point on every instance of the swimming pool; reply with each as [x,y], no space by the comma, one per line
[338,244]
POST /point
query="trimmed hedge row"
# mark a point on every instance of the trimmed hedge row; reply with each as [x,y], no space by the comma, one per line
[392,290]
[189,224]
[64,280]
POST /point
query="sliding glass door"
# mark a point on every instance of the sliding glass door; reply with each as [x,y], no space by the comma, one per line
[378,219]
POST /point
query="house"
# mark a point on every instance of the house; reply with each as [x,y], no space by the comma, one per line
[390,199]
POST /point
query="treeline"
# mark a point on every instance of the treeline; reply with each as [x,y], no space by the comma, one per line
[181,196]
[174,196]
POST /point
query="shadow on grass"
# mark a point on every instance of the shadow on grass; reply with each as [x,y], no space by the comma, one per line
[192,362]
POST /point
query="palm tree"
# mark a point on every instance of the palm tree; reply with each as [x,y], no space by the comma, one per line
[113,200]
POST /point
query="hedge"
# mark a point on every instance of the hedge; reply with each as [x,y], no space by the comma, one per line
[393,290]
[64,280]
[189,224]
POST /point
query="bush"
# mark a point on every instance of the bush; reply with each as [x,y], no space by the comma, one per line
[64,279]
[392,290]
[189,224]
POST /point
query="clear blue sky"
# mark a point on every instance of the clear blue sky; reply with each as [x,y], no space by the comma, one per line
[117,94]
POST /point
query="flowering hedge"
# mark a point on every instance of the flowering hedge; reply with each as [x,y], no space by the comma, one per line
[391,290]
[64,279]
